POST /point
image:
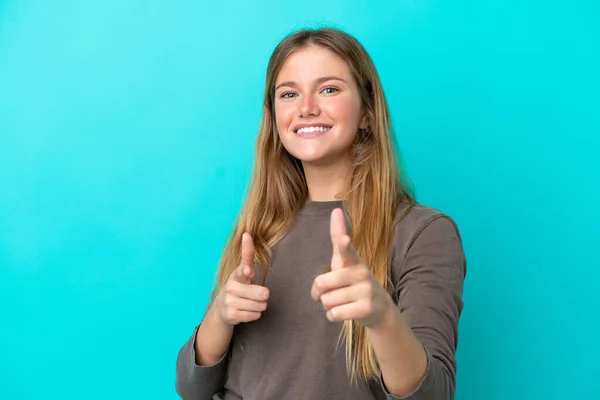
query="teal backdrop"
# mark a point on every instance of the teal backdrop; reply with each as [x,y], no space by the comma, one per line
[126,142]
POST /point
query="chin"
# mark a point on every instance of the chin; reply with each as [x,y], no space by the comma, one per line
[307,155]
[306,159]
[317,160]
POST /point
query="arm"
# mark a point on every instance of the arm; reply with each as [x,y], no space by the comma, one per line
[213,337]
[401,357]
[415,342]
[201,363]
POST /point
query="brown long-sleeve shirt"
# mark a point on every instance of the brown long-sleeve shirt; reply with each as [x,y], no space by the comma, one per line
[291,352]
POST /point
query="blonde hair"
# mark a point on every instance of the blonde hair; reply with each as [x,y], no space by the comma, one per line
[371,196]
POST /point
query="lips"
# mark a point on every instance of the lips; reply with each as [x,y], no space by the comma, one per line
[312,129]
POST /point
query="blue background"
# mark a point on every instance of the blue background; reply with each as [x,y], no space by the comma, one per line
[126,141]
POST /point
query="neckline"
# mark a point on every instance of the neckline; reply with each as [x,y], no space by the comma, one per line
[320,207]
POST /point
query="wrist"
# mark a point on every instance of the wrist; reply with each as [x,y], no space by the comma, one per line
[398,349]
[212,338]
[388,318]
[213,315]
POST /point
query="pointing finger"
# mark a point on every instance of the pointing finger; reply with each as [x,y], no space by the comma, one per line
[337,229]
[247,250]
[346,251]
[242,274]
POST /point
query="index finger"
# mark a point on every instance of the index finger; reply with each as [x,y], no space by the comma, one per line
[242,274]
[337,231]
[346,251]
[343,251]
[247,250]
[337,226]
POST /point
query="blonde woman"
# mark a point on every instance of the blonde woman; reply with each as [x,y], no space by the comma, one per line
[336,283]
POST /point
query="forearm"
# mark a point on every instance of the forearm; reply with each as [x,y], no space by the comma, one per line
[200,370]
[401,357]
[416,347]
[212,338]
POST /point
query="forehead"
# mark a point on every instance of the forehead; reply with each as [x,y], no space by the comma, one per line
[312,62]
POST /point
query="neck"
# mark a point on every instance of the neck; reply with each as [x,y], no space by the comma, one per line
[325,183]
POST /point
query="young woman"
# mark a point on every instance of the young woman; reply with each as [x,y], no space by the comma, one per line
[336,283]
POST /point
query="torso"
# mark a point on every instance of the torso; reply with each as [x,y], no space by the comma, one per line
[292,351]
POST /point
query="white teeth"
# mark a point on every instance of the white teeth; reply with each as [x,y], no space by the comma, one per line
[312,129]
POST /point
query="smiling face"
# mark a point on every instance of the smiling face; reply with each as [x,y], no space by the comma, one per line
[317,106]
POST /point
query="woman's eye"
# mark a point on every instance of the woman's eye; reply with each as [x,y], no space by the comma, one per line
[287,95]
[330,90]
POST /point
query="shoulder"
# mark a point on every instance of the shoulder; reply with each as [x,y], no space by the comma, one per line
[412,220]
[423,229]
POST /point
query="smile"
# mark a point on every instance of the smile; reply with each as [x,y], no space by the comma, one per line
[312,129]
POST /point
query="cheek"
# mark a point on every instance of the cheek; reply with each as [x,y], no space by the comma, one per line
[344,111]
[283,117]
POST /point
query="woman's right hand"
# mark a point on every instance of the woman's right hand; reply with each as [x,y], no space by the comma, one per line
[240,300]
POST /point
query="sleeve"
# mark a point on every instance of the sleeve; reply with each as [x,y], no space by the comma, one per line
[428,289]
[194,382]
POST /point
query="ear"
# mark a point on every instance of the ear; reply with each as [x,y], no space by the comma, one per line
[364,122]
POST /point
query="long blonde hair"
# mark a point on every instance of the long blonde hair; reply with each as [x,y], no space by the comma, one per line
[372,193]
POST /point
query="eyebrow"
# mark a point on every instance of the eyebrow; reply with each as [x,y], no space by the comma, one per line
[317,81]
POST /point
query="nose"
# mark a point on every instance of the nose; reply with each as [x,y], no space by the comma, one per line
[308,107]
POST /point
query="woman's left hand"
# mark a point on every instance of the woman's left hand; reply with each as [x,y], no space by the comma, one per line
[349,291]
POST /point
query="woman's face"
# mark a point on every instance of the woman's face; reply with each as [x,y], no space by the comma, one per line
[317,106]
